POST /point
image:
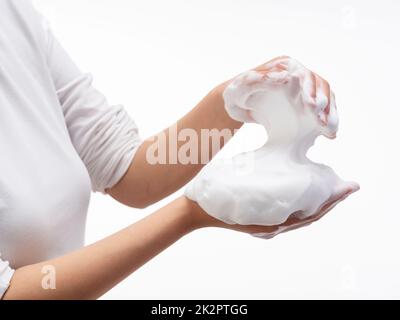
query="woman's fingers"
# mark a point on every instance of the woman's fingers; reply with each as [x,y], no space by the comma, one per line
[295,222]
[309,88]
[343,192]
[326,88]
[270,64]
[315,88]
[323,99]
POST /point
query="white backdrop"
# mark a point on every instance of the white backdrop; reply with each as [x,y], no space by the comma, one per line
[159,58]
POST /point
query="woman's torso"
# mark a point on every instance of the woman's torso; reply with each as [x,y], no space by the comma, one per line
[44,185]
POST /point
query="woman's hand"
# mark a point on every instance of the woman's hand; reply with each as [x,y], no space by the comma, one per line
[281,71]
[202,219]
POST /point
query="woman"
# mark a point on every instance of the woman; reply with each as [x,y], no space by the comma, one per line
[58,140]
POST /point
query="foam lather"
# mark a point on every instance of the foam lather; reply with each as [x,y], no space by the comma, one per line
[295,108]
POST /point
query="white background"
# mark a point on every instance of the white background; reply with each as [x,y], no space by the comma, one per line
[159,58]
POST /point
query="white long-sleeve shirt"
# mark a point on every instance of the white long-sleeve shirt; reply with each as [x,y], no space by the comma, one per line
[59,139]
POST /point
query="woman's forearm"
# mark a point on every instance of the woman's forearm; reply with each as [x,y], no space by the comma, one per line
[145,183]
[93,270]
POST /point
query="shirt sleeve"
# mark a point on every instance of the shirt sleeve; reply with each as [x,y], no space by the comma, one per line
[105,136]
[6,274]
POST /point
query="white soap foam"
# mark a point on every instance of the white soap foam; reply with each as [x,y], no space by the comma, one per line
[283,180]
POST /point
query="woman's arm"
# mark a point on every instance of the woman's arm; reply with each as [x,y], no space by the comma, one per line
[91,271]
[145,183]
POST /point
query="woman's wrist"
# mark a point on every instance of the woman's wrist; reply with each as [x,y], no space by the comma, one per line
[217,100]
[197,218]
